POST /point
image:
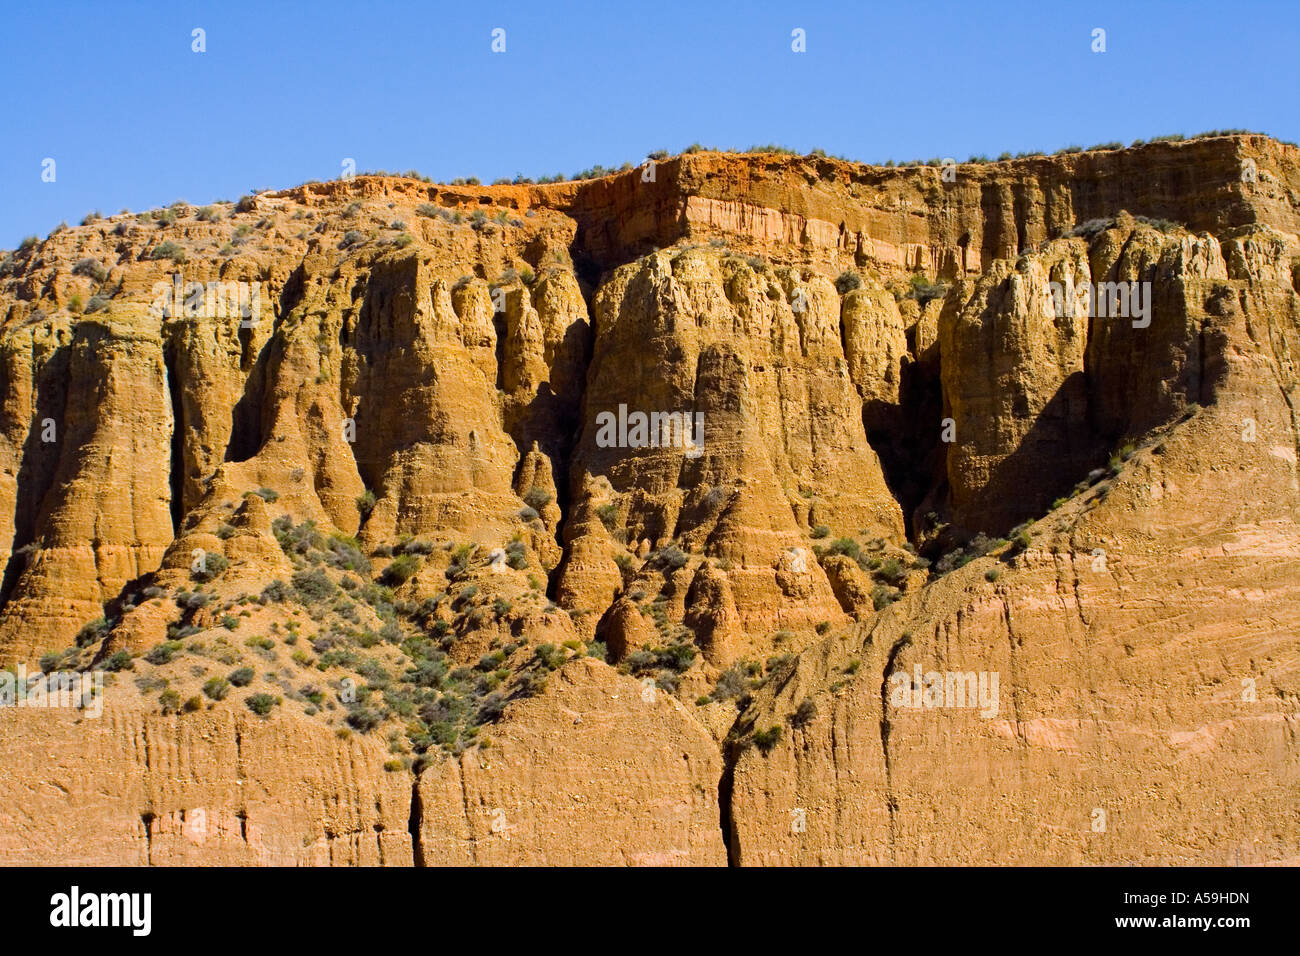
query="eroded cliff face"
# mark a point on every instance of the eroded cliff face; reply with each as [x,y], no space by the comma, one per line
[385,567]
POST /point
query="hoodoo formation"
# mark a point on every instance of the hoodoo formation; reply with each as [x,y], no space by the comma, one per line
[926,569]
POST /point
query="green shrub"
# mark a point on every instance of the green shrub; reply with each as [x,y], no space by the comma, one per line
[164,652]
[91,268]
[364,718]
[923,290]
[366,503]
[549,655]
[607,514]
[216,687]
[847,281]
[821,531]
[765,740]
[733,683]
[845,546]
[260,704]
[892,571]
[168,250]
[401,570]
[213,564]
[242,676]
[313,586]
[882,596]
[93,632]
[537,498]
[170,701]
[804,713]
[672,557]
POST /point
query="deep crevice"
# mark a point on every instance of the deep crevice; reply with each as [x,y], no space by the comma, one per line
[414,822]
[176,469]
[726,787]
[890,802]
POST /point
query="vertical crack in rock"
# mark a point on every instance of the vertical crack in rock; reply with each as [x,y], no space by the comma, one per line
[726,786]
[146,819]
[885,729]
[415,821]
[176,467]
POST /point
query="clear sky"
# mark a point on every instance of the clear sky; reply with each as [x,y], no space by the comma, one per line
[134,118]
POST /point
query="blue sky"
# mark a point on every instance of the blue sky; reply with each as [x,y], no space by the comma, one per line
[133,118]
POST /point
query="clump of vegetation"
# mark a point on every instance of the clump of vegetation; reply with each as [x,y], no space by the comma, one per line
[976,547]
[401,569]
[804,713]
[212,565]
[313,586]
[93,633]
[260,703]
[91,268]
[765,740]
[923,290]
[1121,455]
[608,515]
[366,503]
[848,547]
[164,652]
[168,250]
[537,498]
[670,557]
[736,682]
[847,281]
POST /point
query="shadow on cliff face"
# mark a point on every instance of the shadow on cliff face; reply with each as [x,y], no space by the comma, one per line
[1058,450]
[904,438]
[39,461]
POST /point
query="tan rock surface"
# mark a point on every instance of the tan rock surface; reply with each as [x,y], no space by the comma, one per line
[380,513]
[598,770]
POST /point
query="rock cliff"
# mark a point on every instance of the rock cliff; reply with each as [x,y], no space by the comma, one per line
[732,509]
